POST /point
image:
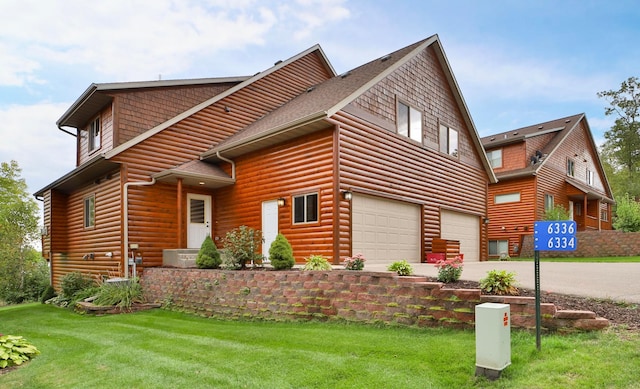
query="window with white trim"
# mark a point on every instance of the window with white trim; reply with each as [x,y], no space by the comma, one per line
[90,211]
[305,208]
[495,158]
[571,167]
[548,202]
[589,177]
[409,122]
[507,198]
[498,247]
[94,135]
[448,140]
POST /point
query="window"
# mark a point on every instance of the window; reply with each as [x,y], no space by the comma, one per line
[548,202]
[495,158]
[409,122]
[577,209]
[448,140]
[90,211]
[507,198]
[589,177]
[498,247]
[94,135]
[305,208]
[570,167]
[604,215]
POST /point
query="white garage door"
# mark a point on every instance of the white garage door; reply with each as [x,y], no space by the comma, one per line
[466,229]
[385,230]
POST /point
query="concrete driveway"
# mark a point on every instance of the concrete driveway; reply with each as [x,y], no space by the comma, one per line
[616,281]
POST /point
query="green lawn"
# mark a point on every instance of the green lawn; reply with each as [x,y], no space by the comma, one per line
[165,349]
[589,259]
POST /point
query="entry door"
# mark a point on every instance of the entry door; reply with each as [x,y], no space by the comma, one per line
[198,219]
[269,225]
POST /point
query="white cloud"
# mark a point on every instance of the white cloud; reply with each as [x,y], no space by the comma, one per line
[30,137]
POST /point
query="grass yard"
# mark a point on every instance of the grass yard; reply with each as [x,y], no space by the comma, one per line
[159,348]
[586,259]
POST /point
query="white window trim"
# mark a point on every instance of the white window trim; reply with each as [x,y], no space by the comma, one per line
[504,198]
[492,159]
[447,149]
[92,144]
[412,133]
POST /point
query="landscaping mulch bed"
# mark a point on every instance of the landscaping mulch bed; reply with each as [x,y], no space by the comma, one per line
[622,315]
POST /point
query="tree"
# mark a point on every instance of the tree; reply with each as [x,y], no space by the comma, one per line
[20,265]
[208,257]
[621,148]
[627,217]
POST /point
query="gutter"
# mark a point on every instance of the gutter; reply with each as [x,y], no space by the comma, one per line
[126,220]
[68,132]
[233,165]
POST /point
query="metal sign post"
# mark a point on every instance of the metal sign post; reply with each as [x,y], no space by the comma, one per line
[550,236]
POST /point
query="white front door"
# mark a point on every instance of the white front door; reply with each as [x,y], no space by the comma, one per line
[269,225]
[198,219]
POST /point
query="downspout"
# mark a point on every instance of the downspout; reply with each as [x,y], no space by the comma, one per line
[126,219]
[233,165]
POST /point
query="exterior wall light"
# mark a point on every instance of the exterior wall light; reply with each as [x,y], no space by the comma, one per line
[347,195]
[485,220]
[280,202]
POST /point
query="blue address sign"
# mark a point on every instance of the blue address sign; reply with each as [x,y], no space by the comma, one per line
[555,235]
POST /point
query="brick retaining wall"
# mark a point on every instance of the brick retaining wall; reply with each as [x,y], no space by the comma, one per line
[593,244]
[369,297]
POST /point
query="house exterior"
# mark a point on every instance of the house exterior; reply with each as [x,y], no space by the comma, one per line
[380,160]
[555,163]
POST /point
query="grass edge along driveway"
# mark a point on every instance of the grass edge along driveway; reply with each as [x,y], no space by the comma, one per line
[160,348]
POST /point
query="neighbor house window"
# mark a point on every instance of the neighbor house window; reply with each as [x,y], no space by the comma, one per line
[94,134]
[570,167]
[448,140]
[90,211]
[498,247]
[589,177]
[409,122]
[604,215]
[548,202]
[305,208]
[495,158]
[507,198]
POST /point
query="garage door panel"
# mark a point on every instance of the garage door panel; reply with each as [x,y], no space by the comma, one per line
[464,228]
[385,230]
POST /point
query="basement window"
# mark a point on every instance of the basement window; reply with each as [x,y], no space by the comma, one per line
[90,211]
[305,208]
[498,247]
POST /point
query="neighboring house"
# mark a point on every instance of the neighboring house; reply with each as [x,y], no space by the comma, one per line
[541,166]
[380,160]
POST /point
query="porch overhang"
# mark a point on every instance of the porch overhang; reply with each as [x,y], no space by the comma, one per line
[590,193]
[198,174]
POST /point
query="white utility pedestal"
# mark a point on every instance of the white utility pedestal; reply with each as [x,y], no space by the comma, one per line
[493,339]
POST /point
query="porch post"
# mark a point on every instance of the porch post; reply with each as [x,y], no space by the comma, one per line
[179,208]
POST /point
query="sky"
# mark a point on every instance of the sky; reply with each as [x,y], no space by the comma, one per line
[517,62]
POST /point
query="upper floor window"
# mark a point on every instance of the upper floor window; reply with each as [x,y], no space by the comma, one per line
[495,158]
[94,135]
[448,140]
[570,167]
[305,208]
[548,202]
[589,177]
[90,211]
[409,122]
[507,198]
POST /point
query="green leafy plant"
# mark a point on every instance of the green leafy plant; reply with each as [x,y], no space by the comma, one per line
[499,282]
[449,270]
[627,217]
[558,212]
[281,253]
[120,294]
[47,294]
[15,350]
[208,257]
[317,262]
[73,283]
[242,245]
[402,268]
[355,263]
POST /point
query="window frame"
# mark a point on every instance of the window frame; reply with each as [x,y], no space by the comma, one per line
[305,204]
[497,246]
[95,135]
[505,199]
[590,177]
[409,112]
[604,215]
[549,206]
[89,211]
[571,167]
[445,145]
[492,159]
